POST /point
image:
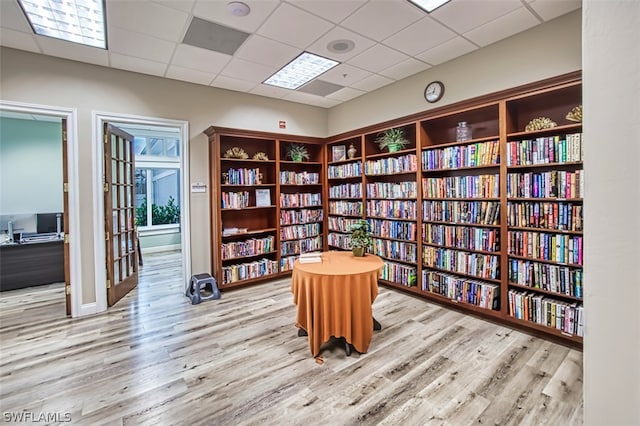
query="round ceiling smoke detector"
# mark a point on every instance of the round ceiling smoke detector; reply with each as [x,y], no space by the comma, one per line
[341,46]
[237,8]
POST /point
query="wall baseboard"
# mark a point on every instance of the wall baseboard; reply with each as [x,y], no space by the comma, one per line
[159,249]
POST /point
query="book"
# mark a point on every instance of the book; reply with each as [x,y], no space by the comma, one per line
[312,257]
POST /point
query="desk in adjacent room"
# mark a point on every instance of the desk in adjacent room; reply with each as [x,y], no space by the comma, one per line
[334,298]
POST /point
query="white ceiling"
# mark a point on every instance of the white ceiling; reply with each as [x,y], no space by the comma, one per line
[393,39]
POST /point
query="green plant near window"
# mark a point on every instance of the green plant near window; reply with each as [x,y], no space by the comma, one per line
[160,215]
[360,238]
[392,139]
[297,152]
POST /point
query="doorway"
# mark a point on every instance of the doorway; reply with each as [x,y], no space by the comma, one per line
[161,187]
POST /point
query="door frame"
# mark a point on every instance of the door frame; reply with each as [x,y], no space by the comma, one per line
[73,173]
[98,120]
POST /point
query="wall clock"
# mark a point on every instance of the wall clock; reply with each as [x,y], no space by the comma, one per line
[434,91]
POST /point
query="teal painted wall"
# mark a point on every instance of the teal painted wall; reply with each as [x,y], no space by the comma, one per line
[30,166]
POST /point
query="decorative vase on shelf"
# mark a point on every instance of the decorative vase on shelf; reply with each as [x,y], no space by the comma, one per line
[351,152]
[463,132]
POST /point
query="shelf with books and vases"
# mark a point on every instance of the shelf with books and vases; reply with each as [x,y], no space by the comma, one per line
[544,185]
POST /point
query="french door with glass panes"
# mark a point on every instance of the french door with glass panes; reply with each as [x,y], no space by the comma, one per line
[120,213]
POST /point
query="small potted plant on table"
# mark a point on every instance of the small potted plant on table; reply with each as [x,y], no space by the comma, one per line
[360,238]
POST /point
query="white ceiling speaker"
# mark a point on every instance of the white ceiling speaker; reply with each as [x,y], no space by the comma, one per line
[237,8]
[341,46]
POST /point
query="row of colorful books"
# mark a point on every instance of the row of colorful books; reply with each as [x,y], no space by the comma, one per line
[545,150]
[290,177]
[299,231]
[294,247]
[555,278]
[560,248]
[249,247]
[342,171]
[399,230]
[248,270]
[471,155]
[471,186]
[300,200]
[248,177]
[398,273]
[479,293]
[391,165]
[551,184]
[339,240]
[341,224]
[346,190]
[392,190]
[548,215]
[462,237]
[348,208]
[563,316]
[392,209]
[292,217]
[464,262]
[396,250]
[235,200]
[468,212]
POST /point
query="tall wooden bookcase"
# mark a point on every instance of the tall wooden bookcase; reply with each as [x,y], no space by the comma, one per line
[266,208]
[490,225]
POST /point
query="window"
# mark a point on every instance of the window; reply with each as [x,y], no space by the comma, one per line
[157,181]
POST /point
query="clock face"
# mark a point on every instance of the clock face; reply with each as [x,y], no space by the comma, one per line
[434,91]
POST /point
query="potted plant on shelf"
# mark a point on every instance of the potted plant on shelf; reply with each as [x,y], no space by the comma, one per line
[360,238]
[392,139]
[297,152]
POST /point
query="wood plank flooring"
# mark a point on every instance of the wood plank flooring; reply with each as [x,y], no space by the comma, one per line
[155,359]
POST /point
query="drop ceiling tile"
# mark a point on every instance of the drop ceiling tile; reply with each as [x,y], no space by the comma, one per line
[74,51]
[270,91]
[320,47]
[307,99]
[372,83]
[319,88]
[190,75]
[139,65]
[135,44]
[465,15]
[338,11]
[420,36]
[12,17]
[447,51]
[249,71]
[294,26]
[199,59]
[377,58]
[345,75]
[216,11]
[505,26]
[18,40]
[148,18]
[404,69]
[266,51]
[183,5]
[229,83]
[550,9]
[346,94]
[380,19]
[212,36]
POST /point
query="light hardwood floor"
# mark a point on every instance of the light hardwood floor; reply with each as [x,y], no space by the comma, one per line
[155,359]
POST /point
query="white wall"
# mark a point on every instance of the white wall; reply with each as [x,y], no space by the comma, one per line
[611,85]
[30,166]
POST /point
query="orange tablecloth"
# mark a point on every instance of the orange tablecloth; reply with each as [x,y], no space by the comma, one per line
[334,298]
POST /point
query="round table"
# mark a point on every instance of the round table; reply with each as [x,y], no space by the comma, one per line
[334,298]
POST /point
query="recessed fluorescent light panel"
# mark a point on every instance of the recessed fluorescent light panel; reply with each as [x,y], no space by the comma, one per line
[78,21]
[302,69]
[429,5]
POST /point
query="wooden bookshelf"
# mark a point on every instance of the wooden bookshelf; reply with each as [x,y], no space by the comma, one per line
[246,203]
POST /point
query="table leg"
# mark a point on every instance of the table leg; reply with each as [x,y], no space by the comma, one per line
[347,347]
[302,332]
[376,325]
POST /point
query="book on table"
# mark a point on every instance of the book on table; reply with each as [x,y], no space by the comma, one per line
[312,257]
